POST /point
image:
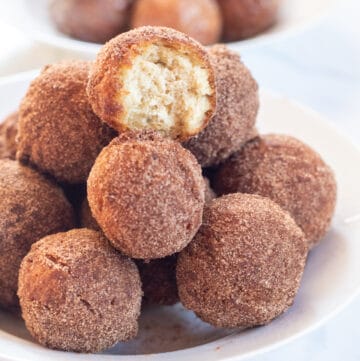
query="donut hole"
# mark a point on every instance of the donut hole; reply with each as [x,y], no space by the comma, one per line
[165,90]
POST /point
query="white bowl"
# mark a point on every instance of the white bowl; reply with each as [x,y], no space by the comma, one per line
[32,17]
[331,279]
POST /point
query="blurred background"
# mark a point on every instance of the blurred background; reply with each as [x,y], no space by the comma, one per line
[310,54]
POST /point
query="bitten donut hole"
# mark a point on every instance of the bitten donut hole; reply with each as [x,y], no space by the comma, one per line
[166,91]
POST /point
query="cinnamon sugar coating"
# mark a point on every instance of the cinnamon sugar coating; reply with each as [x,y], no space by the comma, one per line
[78,294]
[200,19]
[290,173]
[147,194]
[91,20]
[31,207]
[88,221]
[244,266]
[237,108]
[158,278]
[58,131]
[153,78]
[8,132]
[246,18]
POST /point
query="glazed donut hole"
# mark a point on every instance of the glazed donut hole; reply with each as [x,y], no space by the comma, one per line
[158,96]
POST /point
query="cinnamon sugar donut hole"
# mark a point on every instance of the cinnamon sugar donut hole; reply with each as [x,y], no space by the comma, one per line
[290,173]
[245,18]
[91,20]
[78,294]
[158,278]
[31,207]
[199,19]
[237,108]
[153,78]
[58,133]
[245,264]
[147,195]
[88,221]
[8,132]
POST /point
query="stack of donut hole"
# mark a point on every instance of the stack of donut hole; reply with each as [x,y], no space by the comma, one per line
[207,21]
[103,215]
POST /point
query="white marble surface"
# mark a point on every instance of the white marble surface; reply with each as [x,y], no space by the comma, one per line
[319,68]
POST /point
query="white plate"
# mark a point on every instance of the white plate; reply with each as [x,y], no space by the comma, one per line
[331,279]
[32,17]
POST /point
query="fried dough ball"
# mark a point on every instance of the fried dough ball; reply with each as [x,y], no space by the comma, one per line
[78,294]
[290,173]
[147,195]
[237,107]
[158,278]
[245,264]
[8,131]
[58,131]
[88,221]
[153,78]
[86,218]
[199,19]
[31,207]
[245,18]
[91,20]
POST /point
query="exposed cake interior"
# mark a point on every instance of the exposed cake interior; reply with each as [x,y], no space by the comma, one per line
[165,90]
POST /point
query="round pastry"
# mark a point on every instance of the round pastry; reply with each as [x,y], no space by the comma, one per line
[153,78]
[237,107]
[78,294]
[245,18]
[91,20]
[245,264]
[8,131]
[199,19]
[147,195]
[31,207]
[86,218]
[58,132]
[290,173]
[158,278]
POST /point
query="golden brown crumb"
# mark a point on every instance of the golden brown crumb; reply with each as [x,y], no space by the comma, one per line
[244,266]
[237,107]
[58,132]
[147,195]
[78,294]
[153,78]
[290,173]
[31,207]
